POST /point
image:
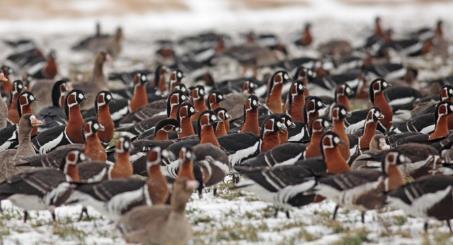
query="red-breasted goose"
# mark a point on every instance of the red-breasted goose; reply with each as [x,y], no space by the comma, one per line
[115,197]
[214,100]
[157,109]
[427,197]
[274,94]
[364,189]
[295,102]
[286,185]
[37,189]
[186,111]
[55,115]
[319,127]
[13,114]
[140,97]
[251,123]
[123,167]
[93,145]
[71,133]
[339,113]
[104,118]
[223,126]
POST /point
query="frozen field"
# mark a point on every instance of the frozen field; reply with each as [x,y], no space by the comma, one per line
[232,217]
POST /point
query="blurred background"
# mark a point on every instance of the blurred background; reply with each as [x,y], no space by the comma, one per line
[186,15]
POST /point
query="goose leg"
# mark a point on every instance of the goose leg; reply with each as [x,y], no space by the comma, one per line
[235,178]
[276,212]
[54,217]
[363,217]
[1,209]
[84,211]
[287,214]
[425,227]
[335,212]
[449,225]
[25,216]
[214,191]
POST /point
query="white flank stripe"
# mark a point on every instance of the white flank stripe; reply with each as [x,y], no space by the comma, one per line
[420,206]
[402,101]
[240,155]
[119,114]
[429,129]
[50,145]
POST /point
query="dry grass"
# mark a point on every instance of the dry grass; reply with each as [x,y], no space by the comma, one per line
[23,9]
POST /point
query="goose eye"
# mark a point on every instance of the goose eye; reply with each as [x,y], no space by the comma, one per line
[336,140]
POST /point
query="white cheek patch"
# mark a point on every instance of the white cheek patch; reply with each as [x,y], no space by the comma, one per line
[183,97]
[126,144]
[254,102]
[81,96]
[319,103]
[220,97]
[109,97]
[96,126]
[192,110]
[300,87]
[82,157]
[285,76]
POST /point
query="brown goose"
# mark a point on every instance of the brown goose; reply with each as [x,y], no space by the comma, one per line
[161,224]
[97,82]
[3,113]
[25,148]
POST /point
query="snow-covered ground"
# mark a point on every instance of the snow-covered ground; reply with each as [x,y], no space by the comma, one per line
[232,217]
